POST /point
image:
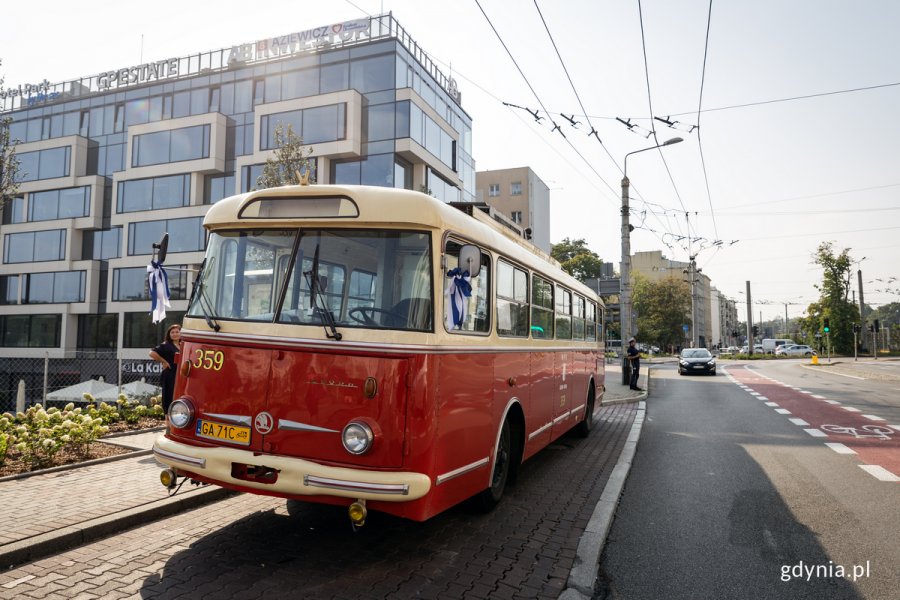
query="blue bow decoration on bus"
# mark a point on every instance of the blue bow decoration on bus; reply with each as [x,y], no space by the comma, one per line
[159,291]
[458,290]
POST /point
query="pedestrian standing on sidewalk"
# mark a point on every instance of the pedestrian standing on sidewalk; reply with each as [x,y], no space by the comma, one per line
[165,355]
[634,357]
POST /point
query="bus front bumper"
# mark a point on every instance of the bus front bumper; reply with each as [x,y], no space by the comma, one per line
[295,476]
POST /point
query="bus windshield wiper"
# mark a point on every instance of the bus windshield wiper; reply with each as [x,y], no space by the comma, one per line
[317,295]
[203,302]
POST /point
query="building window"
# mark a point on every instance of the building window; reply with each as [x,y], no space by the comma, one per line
[517,216]
[14,210]
[9,289]
[98,332]
[185,235]
[313,125]
[101,244]
[30,331]
[44,164]
[249,176]
[515,188]
[161,147]
[494,190]
[131,284]
[34,246]
[139,332]
[377,170]
[66,203]
[54,288]
[218,187]
[155,193]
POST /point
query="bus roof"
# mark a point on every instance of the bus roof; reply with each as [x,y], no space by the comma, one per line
[350,205]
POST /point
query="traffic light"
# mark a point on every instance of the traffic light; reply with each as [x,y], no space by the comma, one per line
[856,328]
[755,331]
[877,328]
[826,328]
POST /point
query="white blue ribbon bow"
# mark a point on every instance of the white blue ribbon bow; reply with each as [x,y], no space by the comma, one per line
[458,290]
[159,291]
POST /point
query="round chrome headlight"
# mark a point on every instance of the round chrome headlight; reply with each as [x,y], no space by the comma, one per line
[357,438]
[181,413]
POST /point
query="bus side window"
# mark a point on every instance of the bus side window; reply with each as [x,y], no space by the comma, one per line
[476,317]
[541,308]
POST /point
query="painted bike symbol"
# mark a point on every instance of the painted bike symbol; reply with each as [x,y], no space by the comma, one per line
[881,432]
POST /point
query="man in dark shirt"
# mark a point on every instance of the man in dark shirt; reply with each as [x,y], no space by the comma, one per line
[634,357]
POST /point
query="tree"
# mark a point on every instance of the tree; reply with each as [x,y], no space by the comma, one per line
[663,307]
[290,159]
[9,164]
[833,303]
[577,259]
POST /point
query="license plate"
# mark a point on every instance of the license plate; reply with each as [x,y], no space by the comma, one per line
[227,433]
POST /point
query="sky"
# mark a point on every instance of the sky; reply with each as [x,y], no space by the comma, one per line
[788,113]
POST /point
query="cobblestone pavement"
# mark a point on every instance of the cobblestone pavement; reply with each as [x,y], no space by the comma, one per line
[250,546]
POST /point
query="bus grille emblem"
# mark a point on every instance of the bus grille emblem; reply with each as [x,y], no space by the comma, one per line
[263,423]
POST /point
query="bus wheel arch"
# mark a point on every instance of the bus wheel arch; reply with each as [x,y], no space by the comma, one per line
[507,457]
[586,425]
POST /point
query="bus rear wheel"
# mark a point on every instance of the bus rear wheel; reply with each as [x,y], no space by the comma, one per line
[490,497]
[584,428]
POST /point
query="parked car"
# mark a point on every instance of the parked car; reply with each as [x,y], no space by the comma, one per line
[770,345]
[696,360]
[757,349]
[796,350]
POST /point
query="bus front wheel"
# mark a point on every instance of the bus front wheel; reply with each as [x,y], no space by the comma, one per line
[490,497]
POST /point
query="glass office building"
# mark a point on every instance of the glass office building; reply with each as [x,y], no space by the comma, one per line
[111,161]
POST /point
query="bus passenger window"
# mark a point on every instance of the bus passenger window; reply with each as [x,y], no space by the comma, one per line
[471,311]
[578,318]
[563,314]
[512,300]
[541,308]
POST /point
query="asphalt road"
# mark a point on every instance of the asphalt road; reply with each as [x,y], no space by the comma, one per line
[728,497]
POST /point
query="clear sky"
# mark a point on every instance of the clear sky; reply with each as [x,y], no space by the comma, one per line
[774,177]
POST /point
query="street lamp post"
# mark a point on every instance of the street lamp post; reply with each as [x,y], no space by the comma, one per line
[625,275]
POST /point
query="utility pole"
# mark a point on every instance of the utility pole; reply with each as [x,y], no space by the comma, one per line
[625,284]
[862,316]
[625,274]
[750,339]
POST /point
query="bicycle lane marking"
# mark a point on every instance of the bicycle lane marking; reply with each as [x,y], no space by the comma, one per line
[873,440]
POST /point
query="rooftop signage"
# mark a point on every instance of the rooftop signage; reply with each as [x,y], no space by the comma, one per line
[309,40]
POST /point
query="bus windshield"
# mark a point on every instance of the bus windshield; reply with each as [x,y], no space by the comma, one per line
[364,278]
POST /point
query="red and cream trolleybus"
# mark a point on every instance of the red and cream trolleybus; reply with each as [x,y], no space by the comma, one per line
[375,348]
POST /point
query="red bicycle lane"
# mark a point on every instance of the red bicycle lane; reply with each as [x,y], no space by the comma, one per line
[875,442]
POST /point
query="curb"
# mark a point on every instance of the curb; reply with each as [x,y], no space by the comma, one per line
[636,398]
[43,545]
[77,465]
[583,576]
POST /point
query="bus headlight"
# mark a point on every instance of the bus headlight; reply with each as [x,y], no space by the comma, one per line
[181,413]
[357,437]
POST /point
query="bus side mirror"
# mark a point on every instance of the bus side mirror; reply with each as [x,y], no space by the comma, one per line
[162,247]
[470,259]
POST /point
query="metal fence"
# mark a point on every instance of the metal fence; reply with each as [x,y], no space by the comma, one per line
[55,381]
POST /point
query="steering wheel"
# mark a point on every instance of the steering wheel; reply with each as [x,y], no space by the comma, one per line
[366,314]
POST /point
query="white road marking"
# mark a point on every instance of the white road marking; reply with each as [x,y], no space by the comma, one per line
[851,409]
[816,432]
[818,397]
[755,394]
[879,473]
[782,411]
[763,398]
[840,448]
[897,427]
[874,418]
[773,404]
[799,422]
[832,402]
[805,392]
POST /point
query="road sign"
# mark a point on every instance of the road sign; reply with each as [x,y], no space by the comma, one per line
[685,327]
